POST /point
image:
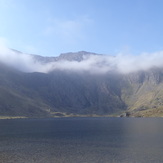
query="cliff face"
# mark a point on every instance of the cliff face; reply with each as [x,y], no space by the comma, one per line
[39,94]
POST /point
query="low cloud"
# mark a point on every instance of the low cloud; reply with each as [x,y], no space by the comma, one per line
[93,63]
[20,61]
[120,63]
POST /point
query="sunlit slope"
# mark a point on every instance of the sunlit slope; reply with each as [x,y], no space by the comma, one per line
[143,92]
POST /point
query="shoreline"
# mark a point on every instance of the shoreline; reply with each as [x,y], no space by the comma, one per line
[13,117]
[22,117]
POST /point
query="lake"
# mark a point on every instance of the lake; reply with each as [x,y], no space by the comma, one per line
[82,140]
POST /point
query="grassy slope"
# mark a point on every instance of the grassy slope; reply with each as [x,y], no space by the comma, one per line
[144,99]
[14,97]
[16,104]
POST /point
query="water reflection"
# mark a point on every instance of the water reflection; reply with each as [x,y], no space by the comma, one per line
[143,140]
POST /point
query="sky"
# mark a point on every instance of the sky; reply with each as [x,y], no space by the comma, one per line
[51,27]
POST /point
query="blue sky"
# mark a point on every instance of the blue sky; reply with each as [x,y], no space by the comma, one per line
[51,27]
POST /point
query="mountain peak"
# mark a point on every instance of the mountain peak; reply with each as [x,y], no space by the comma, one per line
[75,56]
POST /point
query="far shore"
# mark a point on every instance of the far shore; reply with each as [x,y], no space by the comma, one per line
[12,117]
[76,116]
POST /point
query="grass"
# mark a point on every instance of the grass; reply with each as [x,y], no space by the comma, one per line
[12,117]
[153,112]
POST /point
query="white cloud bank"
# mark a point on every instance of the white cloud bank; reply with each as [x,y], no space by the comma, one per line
[20,61]
[93,63]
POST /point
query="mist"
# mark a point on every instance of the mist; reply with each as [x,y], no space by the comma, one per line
[22,62]
[123,63]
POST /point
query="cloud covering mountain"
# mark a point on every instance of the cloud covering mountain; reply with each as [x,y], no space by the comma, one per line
[68,91]
[123,63]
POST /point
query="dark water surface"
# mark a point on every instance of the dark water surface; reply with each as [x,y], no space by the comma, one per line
[82,140]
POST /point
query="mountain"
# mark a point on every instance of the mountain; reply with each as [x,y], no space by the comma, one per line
[79,93]
[79,56]
[40,94]
[143,92]
[76,56]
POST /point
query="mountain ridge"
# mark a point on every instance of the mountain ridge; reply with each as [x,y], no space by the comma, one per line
[70,56]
